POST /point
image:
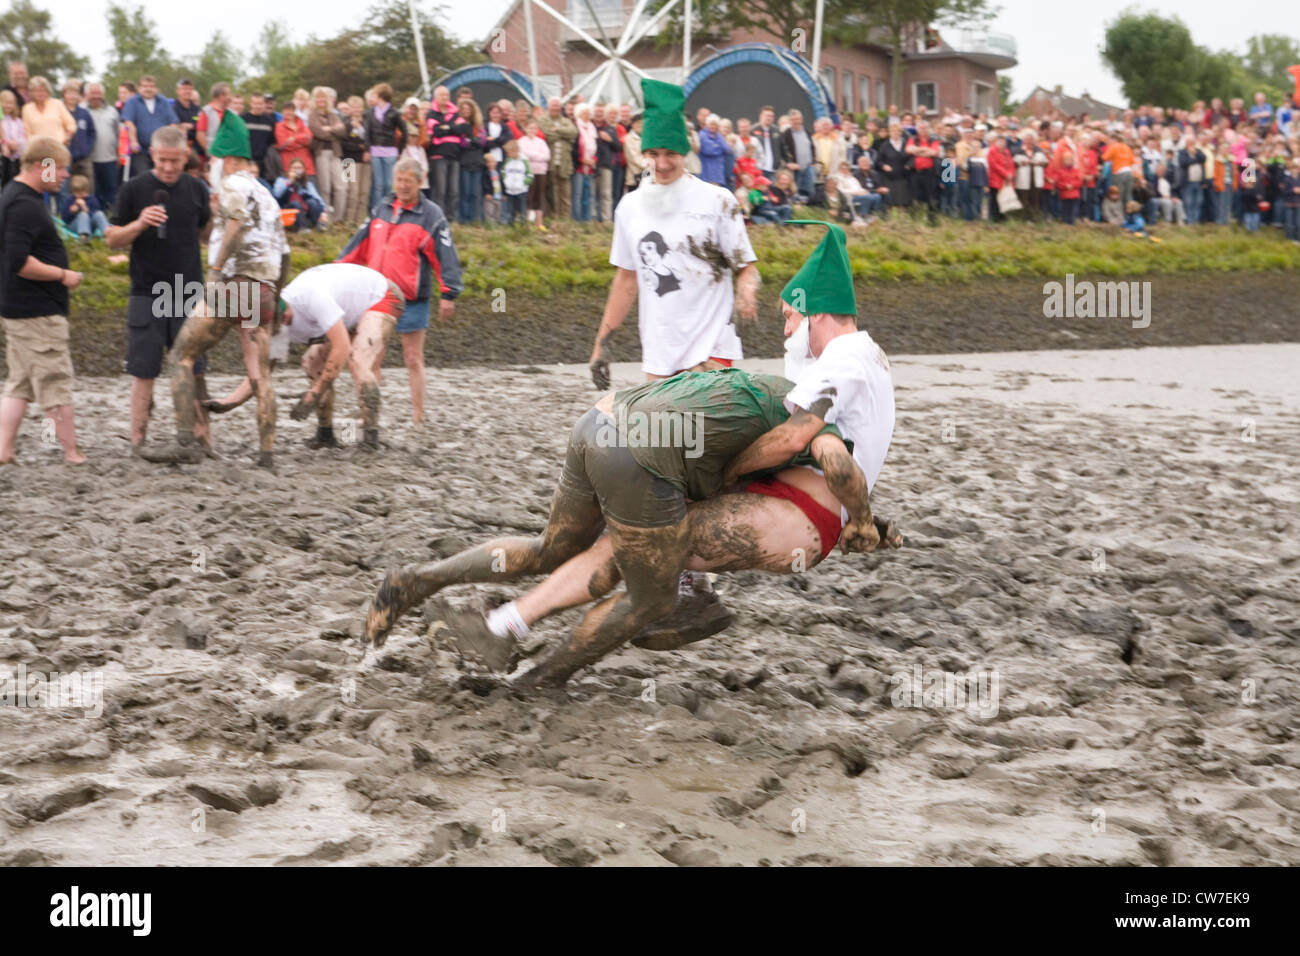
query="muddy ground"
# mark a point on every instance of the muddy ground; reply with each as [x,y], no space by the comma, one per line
[993,315]
[1111,535]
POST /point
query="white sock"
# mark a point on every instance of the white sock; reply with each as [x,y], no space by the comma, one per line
[507,620]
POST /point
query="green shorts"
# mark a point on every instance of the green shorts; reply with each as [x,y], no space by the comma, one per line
[595,466]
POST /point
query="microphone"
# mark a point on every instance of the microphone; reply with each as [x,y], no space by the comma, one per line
[160,198]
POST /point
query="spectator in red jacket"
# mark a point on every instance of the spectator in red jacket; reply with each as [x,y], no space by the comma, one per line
[1068,180]
[293,139]
[1001,169]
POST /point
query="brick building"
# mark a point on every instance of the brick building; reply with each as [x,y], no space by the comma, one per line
[1045,104]
[952,69]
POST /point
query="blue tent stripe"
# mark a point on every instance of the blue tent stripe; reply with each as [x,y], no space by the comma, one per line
[487,72]
[771,55]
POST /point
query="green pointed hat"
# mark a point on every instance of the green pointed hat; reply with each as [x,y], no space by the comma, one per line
[231,138]
[825,281]
[664,125]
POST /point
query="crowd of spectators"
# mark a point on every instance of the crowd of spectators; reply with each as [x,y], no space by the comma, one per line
[332,158]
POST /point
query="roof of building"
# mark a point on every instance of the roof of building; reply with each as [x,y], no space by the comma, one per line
[1068,105]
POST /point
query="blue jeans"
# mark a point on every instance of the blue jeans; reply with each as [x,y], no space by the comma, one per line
[1193,195]
[381,177]
[107,177]
[1069,210]
[581,187]
[1250,220]
[515,205]
[948,199]
[805,181]
[86,223]
[866,204]
[1291,220]
[1222,207]
[471,195]
[969,198]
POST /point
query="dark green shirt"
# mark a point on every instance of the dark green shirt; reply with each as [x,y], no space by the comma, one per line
[688,428]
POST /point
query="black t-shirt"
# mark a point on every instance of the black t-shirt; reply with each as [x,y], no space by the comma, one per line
[26,229]
[156,260]
[189,114]
[261,133]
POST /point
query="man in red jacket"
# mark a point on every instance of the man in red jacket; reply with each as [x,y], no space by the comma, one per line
[1001,169]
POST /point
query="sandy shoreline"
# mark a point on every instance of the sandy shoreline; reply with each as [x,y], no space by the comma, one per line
[1095,529]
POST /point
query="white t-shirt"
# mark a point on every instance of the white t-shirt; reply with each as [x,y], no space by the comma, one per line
[683,241]
[257,256]
[324,294]
[849,386]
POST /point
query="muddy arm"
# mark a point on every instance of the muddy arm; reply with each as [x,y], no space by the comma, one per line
[775,447]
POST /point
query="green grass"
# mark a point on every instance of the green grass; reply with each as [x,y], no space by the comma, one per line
[573,258]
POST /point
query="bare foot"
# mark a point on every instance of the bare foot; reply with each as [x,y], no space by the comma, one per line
[74,458]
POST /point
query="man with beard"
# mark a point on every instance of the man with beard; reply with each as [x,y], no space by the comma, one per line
[678,240]
[622,474]
[785,522]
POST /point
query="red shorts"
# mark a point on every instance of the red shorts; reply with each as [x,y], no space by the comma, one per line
[826,522]
[725,363]
[392,303]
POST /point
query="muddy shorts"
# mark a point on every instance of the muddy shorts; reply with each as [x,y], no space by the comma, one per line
[149,336]
[40,365]
[245,301]
[596,466]
[393,303]
[826,522]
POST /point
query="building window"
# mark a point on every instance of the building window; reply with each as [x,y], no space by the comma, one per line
[846,84]
[864,93]
[882,95]
[608,12]
[984,97]
[828,79]
[923,97]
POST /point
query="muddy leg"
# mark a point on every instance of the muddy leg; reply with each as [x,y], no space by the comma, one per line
[651,561]
[200,333]
[202,426]
[261,342]
[573,525]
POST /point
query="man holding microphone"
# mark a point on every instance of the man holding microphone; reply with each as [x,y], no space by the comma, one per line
[162,215]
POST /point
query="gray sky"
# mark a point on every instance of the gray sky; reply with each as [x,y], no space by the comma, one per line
[1057,42]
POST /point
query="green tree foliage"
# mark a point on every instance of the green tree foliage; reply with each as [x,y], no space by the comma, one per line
[382,49]
[1157,62]
[137,50]
[26,34]
[1154,58]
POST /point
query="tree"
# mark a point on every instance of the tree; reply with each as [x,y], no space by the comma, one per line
[1268,56]
[26,34]
[381,50]
[898,23]
[1006,105]
[137,49]
[219,62]
[1154,58]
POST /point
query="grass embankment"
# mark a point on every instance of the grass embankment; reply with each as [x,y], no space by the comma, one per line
[958,287]
[574,258]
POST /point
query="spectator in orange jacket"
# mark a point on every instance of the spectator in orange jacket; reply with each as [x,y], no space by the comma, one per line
[1001,169]
[293,139]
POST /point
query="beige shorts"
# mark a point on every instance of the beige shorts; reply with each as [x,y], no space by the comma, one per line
[40,365]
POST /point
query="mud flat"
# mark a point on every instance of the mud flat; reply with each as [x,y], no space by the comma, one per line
[1105,541]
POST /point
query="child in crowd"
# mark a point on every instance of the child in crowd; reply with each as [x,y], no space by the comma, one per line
[296,191]
[1111,209]
[82,212]
[744,186]
[534,149]
[1290,199]
[13,137]
[515,178]
[1134,221]
[492,195]
[1068,182]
